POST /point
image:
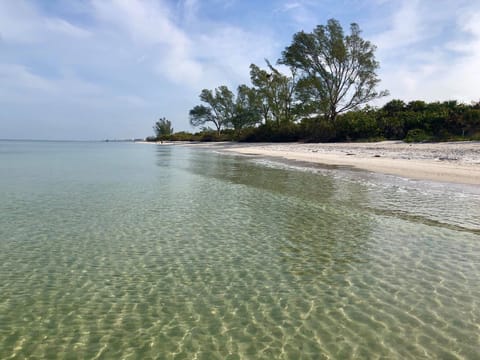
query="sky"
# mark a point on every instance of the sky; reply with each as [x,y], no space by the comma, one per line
[98,69]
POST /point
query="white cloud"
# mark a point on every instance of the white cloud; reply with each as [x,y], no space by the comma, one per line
[132,100]
[212,53]
[17,78]
[209,54]
[407,27]
[145,21]
[150,27]
[21,22]
[419,62]
[15,22]
[291,5]
[64,27]
[189,8]
[132,55]
[301,12]
[227,53]
[67,107]
[21,84]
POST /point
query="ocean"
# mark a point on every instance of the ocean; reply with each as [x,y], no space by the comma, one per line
[140,251]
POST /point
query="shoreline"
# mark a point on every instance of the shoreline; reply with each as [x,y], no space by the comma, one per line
[451,162]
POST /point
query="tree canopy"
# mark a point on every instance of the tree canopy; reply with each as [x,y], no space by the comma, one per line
[218,111]
[276,93]
[338,71]
[247,110]
[163,128]
[319,90]
[225,110]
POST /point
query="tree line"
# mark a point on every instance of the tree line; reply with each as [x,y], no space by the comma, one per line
[319,90]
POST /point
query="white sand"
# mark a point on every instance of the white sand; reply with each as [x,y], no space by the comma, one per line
[457,162]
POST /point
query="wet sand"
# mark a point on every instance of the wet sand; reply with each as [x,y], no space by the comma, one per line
[456,162]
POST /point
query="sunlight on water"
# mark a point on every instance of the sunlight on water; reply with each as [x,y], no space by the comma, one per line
[141,251]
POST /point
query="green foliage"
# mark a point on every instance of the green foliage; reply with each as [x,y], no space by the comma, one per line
[416,106]
[416,121]
[208,136]
[318,130]
[394,107]
[201,115]
[218,111]
[417,135]
[270,132]
[276,93]
[338,70]
[331,77]
[151,138]
[183,136]
[471,122]
[438,121]
[163,129]
[247,109]
[356,125]
[476,136]
[225,110]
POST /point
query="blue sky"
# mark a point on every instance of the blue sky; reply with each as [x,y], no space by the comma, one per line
[94,69]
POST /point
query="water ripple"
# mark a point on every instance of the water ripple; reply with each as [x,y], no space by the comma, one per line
[211,257]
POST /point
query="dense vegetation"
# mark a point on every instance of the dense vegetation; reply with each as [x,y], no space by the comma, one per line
[163,129]
[320,91]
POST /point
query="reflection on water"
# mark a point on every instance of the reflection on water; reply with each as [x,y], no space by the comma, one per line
[168,252]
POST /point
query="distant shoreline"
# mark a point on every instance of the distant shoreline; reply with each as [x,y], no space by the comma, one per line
[454,162]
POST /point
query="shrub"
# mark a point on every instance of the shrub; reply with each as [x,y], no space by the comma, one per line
[183,136]
[151,138]
[271,133]
[318,130]
[475,137]
[356,125]
[417,135]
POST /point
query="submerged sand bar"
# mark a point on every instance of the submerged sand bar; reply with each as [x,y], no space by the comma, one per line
[457,162]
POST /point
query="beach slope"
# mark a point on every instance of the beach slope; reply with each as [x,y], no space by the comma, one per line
[456,162]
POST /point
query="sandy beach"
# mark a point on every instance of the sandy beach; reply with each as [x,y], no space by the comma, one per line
[456,162]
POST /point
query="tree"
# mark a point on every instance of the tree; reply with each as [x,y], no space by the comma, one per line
[219,110]
[276,91]
[338,71]
[163,128]
[393,107]
[260,79]
[247,108]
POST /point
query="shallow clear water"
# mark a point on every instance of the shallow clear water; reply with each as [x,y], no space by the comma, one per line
[111,250]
